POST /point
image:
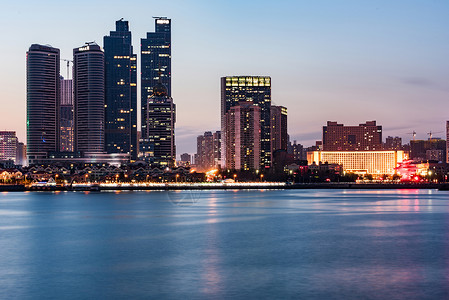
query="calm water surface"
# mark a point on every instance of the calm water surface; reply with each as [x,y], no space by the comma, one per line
[300,244]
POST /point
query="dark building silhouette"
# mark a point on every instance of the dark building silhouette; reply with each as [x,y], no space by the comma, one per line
[66,116]
[43,94]
[88,85]
[253,89]
[120,92]
[393,143]
[155,64]
[422,150]
[279,136]
[365,137]
[159,144]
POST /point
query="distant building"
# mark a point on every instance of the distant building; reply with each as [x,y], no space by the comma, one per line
[436,155]
[243,137]
[254,89]
[21,154]
[278,123]
[360,162]
[8,145]
[120,92]
[43,85]
[393,143]
[297,151]
[66,116]
[365,137]
[208,151]
[155,62]
[447,142]
[419,148]
[88,85]
[186,160]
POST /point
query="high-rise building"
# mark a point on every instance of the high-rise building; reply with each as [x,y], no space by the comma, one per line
[159,143]
[419,149]
[365,137]
[8,145]
[447,142]
[120,92]
[208,150]
[155,62]
[88,85]
[279,136]
[21,154]
[66,116]
[243,137]
[253,89]
[42,101]
[393,143]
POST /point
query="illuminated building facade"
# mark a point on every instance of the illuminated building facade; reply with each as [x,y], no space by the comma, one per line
[21,154]
[360,162]
[279,136]
[208,151]
[393,143]
[120,92]
[253,89]
[160,136]
[365,137]
[8,145]
[88,85]
[43,94]
[66,116]
[243,137]
[155,62]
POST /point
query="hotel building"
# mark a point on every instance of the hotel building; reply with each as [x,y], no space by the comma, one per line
[365,137]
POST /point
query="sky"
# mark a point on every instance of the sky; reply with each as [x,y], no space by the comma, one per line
[337,60]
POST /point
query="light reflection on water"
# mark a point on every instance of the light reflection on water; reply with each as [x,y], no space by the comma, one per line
[312,244]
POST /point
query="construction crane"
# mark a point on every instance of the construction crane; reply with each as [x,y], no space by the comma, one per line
[413,133]
[68,65]
[430,134]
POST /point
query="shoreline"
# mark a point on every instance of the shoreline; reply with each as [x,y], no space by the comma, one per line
[278,186]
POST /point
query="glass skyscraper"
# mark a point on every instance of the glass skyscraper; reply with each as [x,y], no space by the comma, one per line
[43,86]
[88,85]
[255,90]
[120,92]
[155,64]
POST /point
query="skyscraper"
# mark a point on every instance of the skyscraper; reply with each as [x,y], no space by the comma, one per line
[243,137]
[447,142]
[88,85]
[120,92]
[254,89]
[8,145]
[279,136]
[155,64]
[161,118]
[208,150]
[66,116]
[42,101]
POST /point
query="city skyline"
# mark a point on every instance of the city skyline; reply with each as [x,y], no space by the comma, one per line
[341,62]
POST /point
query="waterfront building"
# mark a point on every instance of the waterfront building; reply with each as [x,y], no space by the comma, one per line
[279,136]
[419,148]
[360,162]
[159,145]
[447,142]
[208,151]
[155,62]
[8,145]
[88,85]
[365,137]
[243,137]
[256,90]
[43,94]
[120,92]
[66,116]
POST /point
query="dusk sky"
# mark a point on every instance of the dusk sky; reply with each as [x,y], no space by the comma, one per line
[345,61]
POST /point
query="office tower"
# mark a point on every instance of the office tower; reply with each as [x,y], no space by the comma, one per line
[120,92]
[365,137]
[279,136]
[254,89]
[66,116]
[447,142]
[155,64]
[42,102]
[161,118]
[88,85]
[243,137]
[8,145]
[393,143]
[21,154]
[208,150]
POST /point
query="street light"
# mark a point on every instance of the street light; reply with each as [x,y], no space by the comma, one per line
[261,177]
[235,176]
